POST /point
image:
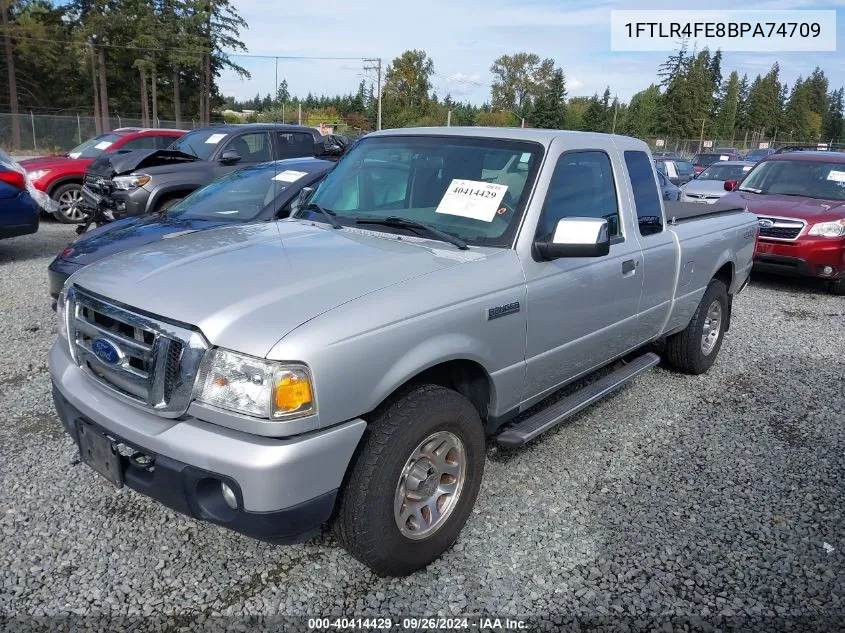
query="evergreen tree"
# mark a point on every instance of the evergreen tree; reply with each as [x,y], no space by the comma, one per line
[833,127]
[726,116]
[595,116]
[641,117]
[550,106]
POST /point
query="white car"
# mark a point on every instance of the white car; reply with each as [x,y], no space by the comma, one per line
[709,186]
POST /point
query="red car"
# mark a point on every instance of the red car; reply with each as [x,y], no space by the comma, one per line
[61,176]
[702,161]
[799,201]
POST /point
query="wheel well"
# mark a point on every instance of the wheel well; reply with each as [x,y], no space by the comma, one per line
[72,180]
[726,275]
[466,377]
[169,195]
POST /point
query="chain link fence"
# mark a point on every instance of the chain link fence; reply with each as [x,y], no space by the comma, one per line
[690,147]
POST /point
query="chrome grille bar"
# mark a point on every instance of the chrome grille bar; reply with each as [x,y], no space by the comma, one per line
[150,362]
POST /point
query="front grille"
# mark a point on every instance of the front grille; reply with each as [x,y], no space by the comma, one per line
[148,361]
[780,228]
[98,184]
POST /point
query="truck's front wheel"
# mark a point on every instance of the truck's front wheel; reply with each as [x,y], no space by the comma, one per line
[414,481]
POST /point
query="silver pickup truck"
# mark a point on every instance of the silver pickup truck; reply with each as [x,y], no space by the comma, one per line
[347,365]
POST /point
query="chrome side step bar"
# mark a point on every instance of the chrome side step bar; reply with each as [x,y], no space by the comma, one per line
[565,408]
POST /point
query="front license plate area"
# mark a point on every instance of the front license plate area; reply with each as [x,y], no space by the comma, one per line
[100,453]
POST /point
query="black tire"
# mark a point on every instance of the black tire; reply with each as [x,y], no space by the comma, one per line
[365,523]
[169,202]
[837,287]
[685,350]
[68,213]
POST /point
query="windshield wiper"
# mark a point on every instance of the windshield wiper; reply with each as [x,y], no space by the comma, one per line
[329,215]
[413,224]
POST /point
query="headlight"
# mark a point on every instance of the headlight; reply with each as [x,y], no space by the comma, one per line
[61,312]
[132,181]
[829,229]
[38,173]
[254,386]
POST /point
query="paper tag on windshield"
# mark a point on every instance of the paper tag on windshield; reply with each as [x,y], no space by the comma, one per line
[838,176]
[290,175]
[724,157]
[75,155]
[214,139]
[103,145]
[472,199]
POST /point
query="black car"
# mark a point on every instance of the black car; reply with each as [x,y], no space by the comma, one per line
[143,181]
[267,191]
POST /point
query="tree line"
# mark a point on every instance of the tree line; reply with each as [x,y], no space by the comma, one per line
[690,99]
[156,57]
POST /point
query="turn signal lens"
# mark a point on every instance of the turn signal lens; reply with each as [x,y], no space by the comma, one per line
[293,393]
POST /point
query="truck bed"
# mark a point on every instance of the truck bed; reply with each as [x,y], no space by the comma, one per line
[677,212]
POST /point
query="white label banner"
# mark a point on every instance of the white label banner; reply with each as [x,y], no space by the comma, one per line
[472,199]
[289,175]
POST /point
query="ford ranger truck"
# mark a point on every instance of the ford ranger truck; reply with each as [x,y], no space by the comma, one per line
[345,366]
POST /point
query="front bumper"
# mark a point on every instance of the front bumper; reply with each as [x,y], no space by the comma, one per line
[130,203]
[804,257]
[285,488]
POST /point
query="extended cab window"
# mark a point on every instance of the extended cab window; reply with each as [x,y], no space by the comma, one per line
[646,196]
[294,145]
[582,186]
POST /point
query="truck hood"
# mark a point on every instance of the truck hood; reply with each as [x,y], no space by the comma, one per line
[123,162]
[245,287]
[706,187]
[810,209]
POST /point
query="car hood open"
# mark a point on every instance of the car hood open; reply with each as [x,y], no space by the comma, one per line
[123,162]
[245,287]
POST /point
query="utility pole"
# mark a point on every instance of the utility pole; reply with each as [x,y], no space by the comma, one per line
[98,124]
[104,95]
[701,138]
[276,88]
[5,7]
[449,119]
[300,113]
[615,110]
[375,64]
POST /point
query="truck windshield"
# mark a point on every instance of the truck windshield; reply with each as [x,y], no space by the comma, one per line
[93,147]
[724,172]
[200,143]
[805,178]
[474,189]
[708,159]
[238,197]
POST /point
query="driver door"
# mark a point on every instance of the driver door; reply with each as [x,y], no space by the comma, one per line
[252,147]
[582,311]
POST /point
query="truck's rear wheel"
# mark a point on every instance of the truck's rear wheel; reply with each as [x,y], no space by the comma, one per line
[414,481]
[694,350]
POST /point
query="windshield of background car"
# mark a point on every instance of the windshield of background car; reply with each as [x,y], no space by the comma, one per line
[472,188]
[200,143]
[707,159]
[724,172]
[685,167]
[93,147]
[240,196]
[805,178]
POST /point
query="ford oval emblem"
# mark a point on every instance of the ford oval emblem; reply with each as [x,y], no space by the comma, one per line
[765,224]
[105,350]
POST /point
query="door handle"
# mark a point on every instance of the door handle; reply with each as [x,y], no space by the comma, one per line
[629,267]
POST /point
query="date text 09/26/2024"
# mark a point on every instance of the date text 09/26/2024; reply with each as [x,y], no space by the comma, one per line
[422,623]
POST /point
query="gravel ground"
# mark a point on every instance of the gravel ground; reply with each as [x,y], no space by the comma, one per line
[716,497]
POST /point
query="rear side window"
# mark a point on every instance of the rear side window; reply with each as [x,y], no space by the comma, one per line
[581,187]
[140,142]
[164,141]
[294,145]
[646,196]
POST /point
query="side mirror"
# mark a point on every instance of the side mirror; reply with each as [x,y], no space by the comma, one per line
[730,185]
[298,202]
[576,237]
[230,157]
[694,175]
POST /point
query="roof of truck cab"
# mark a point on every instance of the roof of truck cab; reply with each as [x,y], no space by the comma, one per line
[810,155]
[518,134]
[235,127]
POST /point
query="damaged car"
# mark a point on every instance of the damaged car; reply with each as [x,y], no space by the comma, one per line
[123,184]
